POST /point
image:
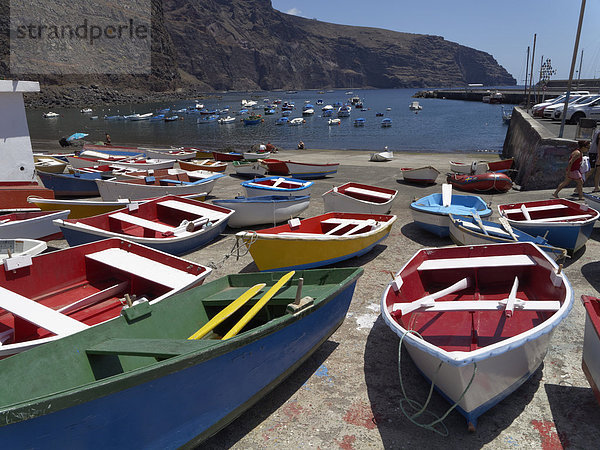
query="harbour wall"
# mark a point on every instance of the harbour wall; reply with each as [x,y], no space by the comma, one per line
[540,157]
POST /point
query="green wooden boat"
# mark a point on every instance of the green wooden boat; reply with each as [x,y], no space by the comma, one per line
[139,382]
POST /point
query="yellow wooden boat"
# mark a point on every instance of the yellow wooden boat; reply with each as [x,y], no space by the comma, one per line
[316,241]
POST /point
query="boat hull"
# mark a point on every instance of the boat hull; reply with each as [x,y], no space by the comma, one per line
[32,225]
[485,182]
[254,189]
[591,344]
[71,185]
[184,410]
[335,200]
[422,175]
[111,190]
[311,171]
[249,170]
[263,210]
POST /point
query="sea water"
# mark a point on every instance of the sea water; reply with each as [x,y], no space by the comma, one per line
[441,126]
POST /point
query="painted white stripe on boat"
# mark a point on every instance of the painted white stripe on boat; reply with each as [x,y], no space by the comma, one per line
[477,262]
[355,190]
[536,208]
[202,211]
[139,221]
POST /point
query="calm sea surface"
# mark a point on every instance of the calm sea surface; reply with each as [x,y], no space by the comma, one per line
[441,126]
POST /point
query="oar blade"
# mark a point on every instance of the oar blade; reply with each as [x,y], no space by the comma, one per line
[227,311]
[258,305]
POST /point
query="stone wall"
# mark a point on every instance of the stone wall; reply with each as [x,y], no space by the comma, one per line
[540,157]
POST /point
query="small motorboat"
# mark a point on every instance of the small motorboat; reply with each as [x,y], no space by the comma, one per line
[359,198]
[414,106]
[226,120]
[483,182]
[563,223]
[317,241]
[171,118]
[334,122]
[297,121]
[50,115]
[14,248]
[206,120]
[420,175]
[249,169]
[359,122]
[432,212]
[282,120]
[268,209]
[386,123]
[50,296]
[382,156]
[80,372]
[590,361]
[276,186]
[171,224]
[477,320]
[472,230]
[203,164]
[31,225]
[137,117]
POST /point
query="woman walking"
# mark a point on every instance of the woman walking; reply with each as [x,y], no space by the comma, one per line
[572,173]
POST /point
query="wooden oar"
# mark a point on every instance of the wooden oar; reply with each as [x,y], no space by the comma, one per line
[504,222]
[258,305]
[478,221]
[227,311]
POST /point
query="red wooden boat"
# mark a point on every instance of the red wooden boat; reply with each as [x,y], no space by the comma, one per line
[502,165]
[483,182]
[227,156]
[275,166]
[56,294]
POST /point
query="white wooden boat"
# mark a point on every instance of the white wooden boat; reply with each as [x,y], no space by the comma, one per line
[473,168]
[149,187]
[171,224]
[31,225]
[590,362]
[226,120]
[14,248]
[359,198]
[136,117]
[308,171]
[168,153]
[382,156]
[472,230]
[484,315]
[255,156]
[144,164]
[276,186]
[268,209]
[49,164]
[334,122]
[297,121]
[249,169]
[50,115]
[415,106]
[420,175]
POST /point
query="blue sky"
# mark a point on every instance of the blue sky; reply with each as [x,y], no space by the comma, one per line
[504,29]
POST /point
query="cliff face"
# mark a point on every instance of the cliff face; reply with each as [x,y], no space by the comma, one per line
[248,45]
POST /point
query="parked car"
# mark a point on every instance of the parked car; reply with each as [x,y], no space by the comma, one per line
[573,99]
[590,110]
[580,103]
[538,109]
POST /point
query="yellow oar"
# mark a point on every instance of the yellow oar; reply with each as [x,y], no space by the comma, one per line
[258,305]
[227,311]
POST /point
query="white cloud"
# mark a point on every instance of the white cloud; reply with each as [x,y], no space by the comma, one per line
[294,12]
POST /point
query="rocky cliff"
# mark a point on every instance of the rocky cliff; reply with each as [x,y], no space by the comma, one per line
[205,45]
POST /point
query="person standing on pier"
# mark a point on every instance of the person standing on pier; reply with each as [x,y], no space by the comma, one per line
[572,173]
[594,158]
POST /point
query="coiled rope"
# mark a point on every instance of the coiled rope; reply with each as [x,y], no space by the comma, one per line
[236,250]
[421,409]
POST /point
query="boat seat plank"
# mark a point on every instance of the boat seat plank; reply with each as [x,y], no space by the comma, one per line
[39,314]
[141,222]
[477,262]
[142,267]
[200,211]
[492,230]
[157,348]
[355,190]
[564,218]
[342,223]
[536,208]
[486,305]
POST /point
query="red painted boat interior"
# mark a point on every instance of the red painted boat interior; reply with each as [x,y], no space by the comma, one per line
[503,164]
[283,185]
[570,209]
[467,330]
[60,278]
[275,166]
[151,211]
[315,225]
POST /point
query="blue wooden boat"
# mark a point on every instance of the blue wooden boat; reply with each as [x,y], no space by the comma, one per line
[72,184]
[277,186]
[432,212]
[469,230]
[282,120]
[564,223]
[386,123]
[207,119]
[359,122]
[171,224]
[137,381]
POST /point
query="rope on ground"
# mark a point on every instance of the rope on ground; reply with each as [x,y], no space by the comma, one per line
[236,250]
[422,407]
